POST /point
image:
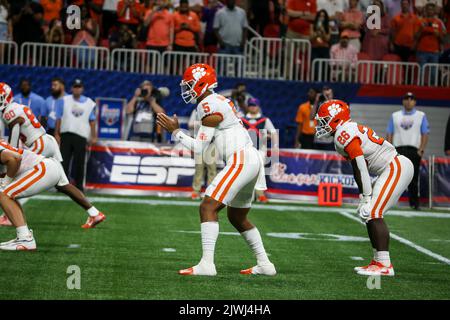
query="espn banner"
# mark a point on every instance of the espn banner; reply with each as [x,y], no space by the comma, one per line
[136,168]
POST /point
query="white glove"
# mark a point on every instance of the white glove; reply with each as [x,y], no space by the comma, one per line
[364,207]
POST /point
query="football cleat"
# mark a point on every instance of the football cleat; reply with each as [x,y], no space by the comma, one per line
[263,199]
[202,269]
[25,244]
[364,267]
[266,269]
[195,195]
[93,221]
[377,269]
[4,221]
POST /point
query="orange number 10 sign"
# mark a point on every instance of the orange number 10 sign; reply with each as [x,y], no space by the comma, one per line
[330,194]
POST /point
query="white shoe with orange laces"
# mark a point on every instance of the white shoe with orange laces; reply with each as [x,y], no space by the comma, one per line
[93,221]
[24,244]
[365,267]
[4,221]
[266,269]
[377,269]
[202,269]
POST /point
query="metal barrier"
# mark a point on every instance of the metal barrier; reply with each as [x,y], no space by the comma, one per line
[175,63]
[334,70]
[435,75]
[133,60]
[9,52]
[274,58]
[388,72]
[228,65]
[66,56]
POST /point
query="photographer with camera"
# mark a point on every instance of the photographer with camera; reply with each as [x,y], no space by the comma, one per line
[144,106]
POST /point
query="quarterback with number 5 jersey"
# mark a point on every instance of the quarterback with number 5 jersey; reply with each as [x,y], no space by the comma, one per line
[234,186]
[369,155]
[24,126]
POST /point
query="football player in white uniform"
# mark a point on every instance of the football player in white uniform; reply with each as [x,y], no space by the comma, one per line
[27,174]
[234,186]
[24,126]
[369,155]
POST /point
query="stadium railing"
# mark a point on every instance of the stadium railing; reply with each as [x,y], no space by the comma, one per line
[435,75]
[67,56]
[388,72]
[9,52]
[228,65]
[174,62]
[134,60]
[334,70]
[278,59]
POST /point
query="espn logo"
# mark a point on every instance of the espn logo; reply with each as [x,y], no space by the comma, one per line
[150,170]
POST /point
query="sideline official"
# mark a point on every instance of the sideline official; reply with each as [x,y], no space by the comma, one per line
[75,126]
[408,130]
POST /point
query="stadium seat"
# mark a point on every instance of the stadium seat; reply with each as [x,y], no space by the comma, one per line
[391,57]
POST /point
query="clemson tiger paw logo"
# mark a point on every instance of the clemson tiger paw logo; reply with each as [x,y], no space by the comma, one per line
[334,109]
[198,73]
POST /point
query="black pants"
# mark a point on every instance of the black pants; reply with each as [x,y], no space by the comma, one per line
[51,131]
[73,150]
[307,141]
[109,19]
[413,188]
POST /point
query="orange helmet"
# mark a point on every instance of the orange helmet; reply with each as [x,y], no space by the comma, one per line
[196,80]
[330,116]
[6,95]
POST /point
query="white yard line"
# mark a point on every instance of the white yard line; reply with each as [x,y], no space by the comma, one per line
[399,213]
[404,241]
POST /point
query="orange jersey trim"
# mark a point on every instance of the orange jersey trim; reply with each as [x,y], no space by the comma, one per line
[353,149]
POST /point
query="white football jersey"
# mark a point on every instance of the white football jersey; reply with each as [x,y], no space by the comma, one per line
[377,152]
[29,159]
[230,135]
[30,129]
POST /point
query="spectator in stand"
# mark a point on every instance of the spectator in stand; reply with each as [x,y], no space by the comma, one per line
[352,22]
[52,10]
[123,38]
[160,27]
[344,50]
[208,13]
[130,12]
[306,128]
[55,33]
[259,12]
[301,15]
[376,41]
[186,27]
[240,97]
[54,101]
[27,20]
[430,37]
[394,7]
[94,7]
[5,24]
[28,98]
[90,30]
[194,5]
[320,36]
[420,6]
[109,16]
[334,9]
[404,26]
[230,26]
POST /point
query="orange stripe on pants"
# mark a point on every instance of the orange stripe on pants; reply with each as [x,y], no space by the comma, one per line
[238,171]
[32,182]
[383,190]
[41,141]
[18,183]
[214,194]
[35,145]
[397,177]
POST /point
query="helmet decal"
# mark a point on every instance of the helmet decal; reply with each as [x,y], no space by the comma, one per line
[334,109]
[198,73]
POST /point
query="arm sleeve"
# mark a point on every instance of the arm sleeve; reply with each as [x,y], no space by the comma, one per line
[198,144]
[365,177]
[390,127]
[353,149]
[424,127]
[14,136]
[93,115]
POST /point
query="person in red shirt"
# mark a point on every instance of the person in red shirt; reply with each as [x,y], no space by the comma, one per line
[187,28]
[301,14]
[430,36]
[160,27]
[94,6]
[130,12]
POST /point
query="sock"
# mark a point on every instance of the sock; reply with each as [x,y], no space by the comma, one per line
[210,232]
[383,257]
[23,232]
[92,211]
[374,253]
[254,240]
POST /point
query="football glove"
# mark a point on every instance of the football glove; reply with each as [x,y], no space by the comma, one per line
[364,207]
